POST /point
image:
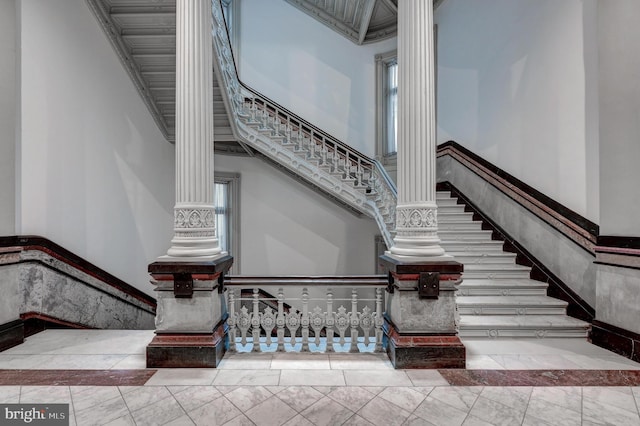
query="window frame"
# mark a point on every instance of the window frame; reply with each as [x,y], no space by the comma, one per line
[233,205]
[383,61]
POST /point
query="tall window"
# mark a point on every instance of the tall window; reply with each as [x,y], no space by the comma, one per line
[227,210]
[386,107]
[391,100]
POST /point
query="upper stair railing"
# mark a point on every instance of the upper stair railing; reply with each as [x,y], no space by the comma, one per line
[293,142]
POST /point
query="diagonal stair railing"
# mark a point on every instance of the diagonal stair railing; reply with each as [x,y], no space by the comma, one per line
[294,143]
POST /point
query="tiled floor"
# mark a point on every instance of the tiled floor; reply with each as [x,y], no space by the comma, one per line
[322,389]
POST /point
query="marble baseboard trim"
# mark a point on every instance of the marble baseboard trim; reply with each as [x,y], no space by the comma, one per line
[616,339]
[75,377]
[11,334]
[541,377]
[188,350]
[623,252]
[423,351]
[577,308]
[35,322]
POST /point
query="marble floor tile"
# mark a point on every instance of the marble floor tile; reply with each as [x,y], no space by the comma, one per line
[181,421]
[159,412]
[619,396]
[125,420]
[404,397]
[144,396]
[216,412]
[553,414]
[238,363]
[131,362]
[192,397]
[496,413]
[312,378]
[183,376]
[9,394]
[414,420]
[103,413]
[271,412]
[532,421]
[247,378]
[636,393]
[299,397]
[564,396]
[360,362]
[87,396]
[381,412]
[516,397]
[327,412]
[293,361]
[462,398]
[352,397]
[357,420]
[377,378]
[600,413]
[426,378]
[60,362]
[439,413]
[78,342]
[534,362]
[247,397]
[45,394]
[298,420]
[482,362]
[474,421]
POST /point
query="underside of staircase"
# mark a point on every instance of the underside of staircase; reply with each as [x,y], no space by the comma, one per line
[497,297]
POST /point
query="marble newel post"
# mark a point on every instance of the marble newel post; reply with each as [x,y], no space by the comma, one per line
[190,328]
[421,312]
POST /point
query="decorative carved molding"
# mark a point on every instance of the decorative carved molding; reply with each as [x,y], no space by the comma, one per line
[416,218]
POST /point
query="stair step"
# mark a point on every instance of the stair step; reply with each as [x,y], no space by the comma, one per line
[494,326]
[453,208]
[470,245]
[455,217]
[502,287]
[510,305]
[489,271]
[452,226]
[447,202]
[468,258]
[480,234]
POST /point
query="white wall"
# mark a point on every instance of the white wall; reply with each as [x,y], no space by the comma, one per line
[97,175]
[288,229]
[311,70]
[511,88]
[619,62]
[8,107]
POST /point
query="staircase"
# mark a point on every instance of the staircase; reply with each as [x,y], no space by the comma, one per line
[497,298]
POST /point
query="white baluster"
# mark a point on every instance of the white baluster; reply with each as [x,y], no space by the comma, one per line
[330,319]
[280,320]
[255,321]
[379,320]
[304,321]
[354,320]
[232,320]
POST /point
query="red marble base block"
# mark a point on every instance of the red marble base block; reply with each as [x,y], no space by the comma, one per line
[426,351]
[187,350]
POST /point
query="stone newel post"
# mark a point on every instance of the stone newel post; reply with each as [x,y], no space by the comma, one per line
[190,328]
[421,310]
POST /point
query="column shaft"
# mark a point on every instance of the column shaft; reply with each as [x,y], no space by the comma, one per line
[416,213]
[194,216]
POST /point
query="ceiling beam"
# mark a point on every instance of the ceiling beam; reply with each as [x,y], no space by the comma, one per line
[366,20]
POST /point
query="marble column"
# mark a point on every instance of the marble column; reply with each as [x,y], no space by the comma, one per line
[190,318]
[194,216]
[421,314]
[416,212]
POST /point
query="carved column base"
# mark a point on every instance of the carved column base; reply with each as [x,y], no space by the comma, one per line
[191,313]
[421,314]
[188,350]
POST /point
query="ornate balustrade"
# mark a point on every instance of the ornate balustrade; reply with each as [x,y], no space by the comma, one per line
[286,138]
[317,314]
